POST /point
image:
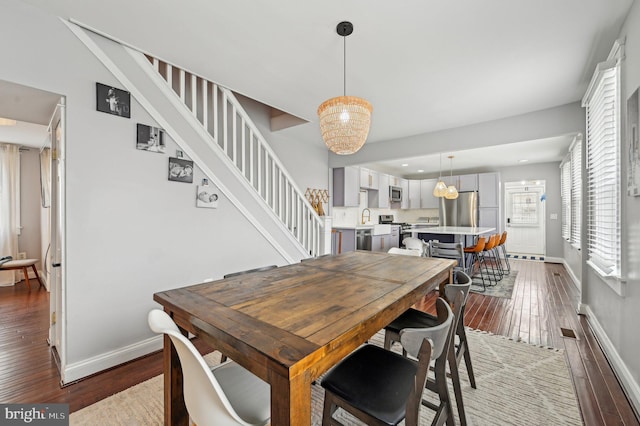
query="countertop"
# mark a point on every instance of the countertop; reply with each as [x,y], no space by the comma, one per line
[452,230]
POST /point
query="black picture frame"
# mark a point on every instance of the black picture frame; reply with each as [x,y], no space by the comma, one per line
[180,170]
[113,101]
[149,138]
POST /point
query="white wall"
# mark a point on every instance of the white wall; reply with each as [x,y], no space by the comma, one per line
[130,232]
[614,315]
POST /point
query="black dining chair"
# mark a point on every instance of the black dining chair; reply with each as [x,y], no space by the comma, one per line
[413,318]
[381,387]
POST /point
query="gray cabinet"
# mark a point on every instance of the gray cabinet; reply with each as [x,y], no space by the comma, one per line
[489,217]
[427,200]
[346,187]
[343,240]
[381,243]
[467,183]
[395,236]
[489,190]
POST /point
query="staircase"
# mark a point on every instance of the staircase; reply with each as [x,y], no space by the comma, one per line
[211,127]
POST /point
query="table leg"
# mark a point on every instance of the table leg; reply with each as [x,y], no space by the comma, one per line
[290,400]
[35,271]
[175,411]
[26,277]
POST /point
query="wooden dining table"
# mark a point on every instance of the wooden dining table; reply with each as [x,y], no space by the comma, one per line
[289,325]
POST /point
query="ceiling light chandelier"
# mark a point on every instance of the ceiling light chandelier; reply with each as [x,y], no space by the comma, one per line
[452,192]
[7,122]
[345,120]
[441,188]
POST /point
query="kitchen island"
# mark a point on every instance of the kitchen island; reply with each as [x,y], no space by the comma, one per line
[465,234]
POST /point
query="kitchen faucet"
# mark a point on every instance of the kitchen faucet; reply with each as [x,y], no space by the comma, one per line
[368,216]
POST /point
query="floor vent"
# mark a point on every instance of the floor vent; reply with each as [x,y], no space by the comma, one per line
[567,332]
[556,274]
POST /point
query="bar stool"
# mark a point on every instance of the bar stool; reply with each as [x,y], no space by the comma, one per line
[495,274]
[502,245]
[23,264]
[474,253]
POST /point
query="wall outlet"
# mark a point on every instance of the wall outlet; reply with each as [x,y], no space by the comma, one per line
[22,255]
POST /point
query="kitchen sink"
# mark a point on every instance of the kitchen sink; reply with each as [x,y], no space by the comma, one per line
[381,229]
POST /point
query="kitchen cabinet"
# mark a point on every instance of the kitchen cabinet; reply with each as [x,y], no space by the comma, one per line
[348,240]
[346,187]
[381,243]
[489,190]
[414,194]
[395,236]
[489,217]
[427,200]
[404,184]
[369,179]
[381,197]
[467,183]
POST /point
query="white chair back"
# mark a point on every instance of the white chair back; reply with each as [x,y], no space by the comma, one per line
[406,252]
[204,394]
[412,243]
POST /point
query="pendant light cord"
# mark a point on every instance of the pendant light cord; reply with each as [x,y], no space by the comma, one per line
[344,66]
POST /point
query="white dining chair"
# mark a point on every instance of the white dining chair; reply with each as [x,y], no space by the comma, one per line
[412,243]
[223,395]
[406,252]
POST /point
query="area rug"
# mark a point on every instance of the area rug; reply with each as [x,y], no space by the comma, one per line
[517,384]
[504,287]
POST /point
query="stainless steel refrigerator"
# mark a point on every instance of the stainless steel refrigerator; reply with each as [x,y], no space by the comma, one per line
[463,211]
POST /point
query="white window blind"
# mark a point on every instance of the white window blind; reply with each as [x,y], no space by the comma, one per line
[603,169]
[576,192]
[565,196]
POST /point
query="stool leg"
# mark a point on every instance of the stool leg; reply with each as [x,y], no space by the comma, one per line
[26,277]
[35,271]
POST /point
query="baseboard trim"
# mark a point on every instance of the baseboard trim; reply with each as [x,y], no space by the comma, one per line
[629,385]
[575,279]
[79,370]
[554,260]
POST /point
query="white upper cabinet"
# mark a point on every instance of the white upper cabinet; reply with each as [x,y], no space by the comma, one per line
[414,194]
[369,179]
[427,200]
[383,192]
[489,189]
[404,184]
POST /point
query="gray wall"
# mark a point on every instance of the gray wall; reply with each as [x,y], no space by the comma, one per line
[130,232]
[613,314]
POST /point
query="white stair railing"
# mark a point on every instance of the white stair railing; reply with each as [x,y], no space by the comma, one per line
[232,131]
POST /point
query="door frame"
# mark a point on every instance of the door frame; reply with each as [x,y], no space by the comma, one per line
[523,185]
[57,228]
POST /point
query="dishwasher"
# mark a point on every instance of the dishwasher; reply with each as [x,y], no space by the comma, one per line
[363,239]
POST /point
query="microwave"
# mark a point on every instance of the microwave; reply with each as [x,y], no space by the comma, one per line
[395,194]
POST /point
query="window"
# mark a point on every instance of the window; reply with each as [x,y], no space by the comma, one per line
[603,167]
[576,191]
[565,196]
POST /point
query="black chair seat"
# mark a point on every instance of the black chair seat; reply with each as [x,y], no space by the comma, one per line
[375,381]
[412,318]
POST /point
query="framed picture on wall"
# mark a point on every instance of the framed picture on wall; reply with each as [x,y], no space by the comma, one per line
[633,150]
[150,138]
[180,170]
[113,100]
[206,197]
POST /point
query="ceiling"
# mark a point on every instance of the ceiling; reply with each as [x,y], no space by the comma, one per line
[424,65]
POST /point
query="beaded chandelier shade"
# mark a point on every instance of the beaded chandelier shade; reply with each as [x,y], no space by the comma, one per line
[452,192]
[441,188]
[345,120]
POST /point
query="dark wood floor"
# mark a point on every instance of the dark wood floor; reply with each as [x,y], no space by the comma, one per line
[544,301]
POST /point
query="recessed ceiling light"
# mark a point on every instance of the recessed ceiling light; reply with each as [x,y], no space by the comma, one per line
[420,171]
[523,161]
[405,165]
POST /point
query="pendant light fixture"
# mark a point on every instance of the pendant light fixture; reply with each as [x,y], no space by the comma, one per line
[441,188]
[345,120]
[452,192]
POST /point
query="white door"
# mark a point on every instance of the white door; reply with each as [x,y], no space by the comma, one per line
[524,213]
[57,228]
